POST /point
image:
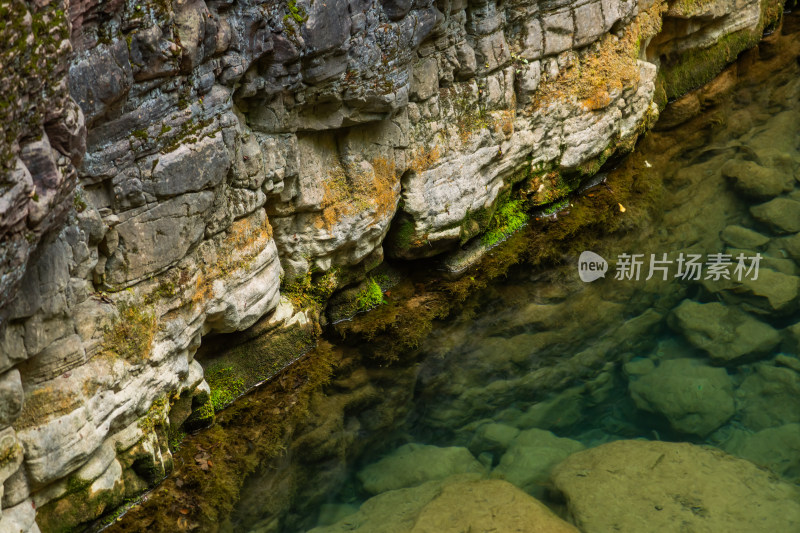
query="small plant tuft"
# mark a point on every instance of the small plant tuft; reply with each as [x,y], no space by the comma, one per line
[370,297]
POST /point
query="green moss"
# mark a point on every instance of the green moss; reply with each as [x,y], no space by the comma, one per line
[509,217]
[696,67]
[474,223]
[370,296]
[404,234]
[156,416]
[78,202]
[225,386]
[176,437]
[250,434]
[79,505]
[140,134]
[131,336]
[556,207]
[313,289]
[296,13]
[167,288]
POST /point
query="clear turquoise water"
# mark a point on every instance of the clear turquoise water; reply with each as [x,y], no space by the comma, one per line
[602,361]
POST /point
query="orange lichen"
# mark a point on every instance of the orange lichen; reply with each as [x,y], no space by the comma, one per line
[606,67]
[423,159]
[503,121]
[244,241]
[359,187]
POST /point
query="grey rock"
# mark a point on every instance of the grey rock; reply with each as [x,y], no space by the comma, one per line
[11,398]
[191,168]
[424,79]
[558,32]
[588,23]
[158,237]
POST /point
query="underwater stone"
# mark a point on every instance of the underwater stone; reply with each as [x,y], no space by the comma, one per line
[635,485]
[740,237]
[773,293]
[457,504]
[775,448]
[780,214]
[769,397]
[531,457]
[724,332]
[694,397]
[492,437]
[754,181]
[413,464]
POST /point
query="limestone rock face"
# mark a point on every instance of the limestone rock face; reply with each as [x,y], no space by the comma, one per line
[694,397]
[167,166]
[632,486]
[455,504]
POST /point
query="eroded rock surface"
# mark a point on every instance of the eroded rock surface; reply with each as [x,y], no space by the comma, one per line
[168,166]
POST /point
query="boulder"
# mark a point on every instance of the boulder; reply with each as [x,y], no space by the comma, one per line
[782,215]
[694,397]
[635,486]
[775,448]
[740,237]
[414,464]
[754,181]
[457,504]
[724,332]
[769,397]
[493,438]
[531,457]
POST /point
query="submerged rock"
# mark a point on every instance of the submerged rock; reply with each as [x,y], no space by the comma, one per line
[724,332]
[740,237]
[413,464]
[782,215]
[775,448]
[454,505]
[492,438]
[754,181]
[531,457]
[694,397]
[637,486]
[769,397]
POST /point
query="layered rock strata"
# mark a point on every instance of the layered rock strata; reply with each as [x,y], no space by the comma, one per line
[171,170]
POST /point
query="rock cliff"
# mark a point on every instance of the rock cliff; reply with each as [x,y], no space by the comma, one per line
[176,169]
